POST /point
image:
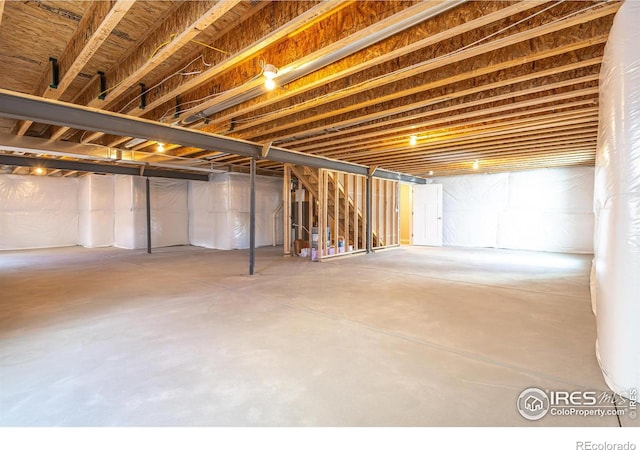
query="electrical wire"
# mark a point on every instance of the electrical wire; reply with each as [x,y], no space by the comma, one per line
[173,35]
[158,48]
[178,72]
[203,99]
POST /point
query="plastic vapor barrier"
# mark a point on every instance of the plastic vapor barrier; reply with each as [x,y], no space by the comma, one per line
[96,208]
[547,210]
[617,205]
[219,211]
[38,212]
[169,212]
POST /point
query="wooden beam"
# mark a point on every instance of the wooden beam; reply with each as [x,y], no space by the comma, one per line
[286,198]
[358,211]
[542,143]
[455,121]
[303,20]
[190,30]
[1,10]
[187,25]
[347,214]
[470,112]
[384,157]
[534,147]
[94,28]
[299,144]
[308,17]
[397,110]
[348,42]
[412,165]
[322,212]
[552,27]
[482,113]
[357,120]
[524,162]
[459,132]
[336,211]
[352,69]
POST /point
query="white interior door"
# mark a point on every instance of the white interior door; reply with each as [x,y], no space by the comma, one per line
[427,214]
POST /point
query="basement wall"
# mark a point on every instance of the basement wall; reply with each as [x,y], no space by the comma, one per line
[105,210]
[38,211]
[545,210]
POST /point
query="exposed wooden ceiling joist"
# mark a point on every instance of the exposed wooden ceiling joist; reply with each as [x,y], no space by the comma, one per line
[94,28]
[514,83]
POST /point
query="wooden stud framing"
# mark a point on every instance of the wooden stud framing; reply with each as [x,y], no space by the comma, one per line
[347,214]
[286,198]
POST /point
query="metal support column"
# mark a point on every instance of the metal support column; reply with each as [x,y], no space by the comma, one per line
[148,191]
[252,218]
[368,215]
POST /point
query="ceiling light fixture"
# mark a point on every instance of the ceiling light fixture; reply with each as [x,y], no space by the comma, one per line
[413,140]
[270,71]
[160,147]
[39,171]
[431,172]
[476,165]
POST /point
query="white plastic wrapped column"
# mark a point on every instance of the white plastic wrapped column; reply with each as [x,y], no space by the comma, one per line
[219,211]
[208,213]
[38,212]
[617,205]
[129,212]
[169,212]
[95,204]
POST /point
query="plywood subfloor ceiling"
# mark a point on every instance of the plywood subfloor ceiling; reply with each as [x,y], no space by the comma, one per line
[509,85]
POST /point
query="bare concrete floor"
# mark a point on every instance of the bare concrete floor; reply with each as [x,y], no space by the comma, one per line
[407,337]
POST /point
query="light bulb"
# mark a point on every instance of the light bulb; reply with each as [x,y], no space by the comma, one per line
[269,84]
[39,170]
[413,140]
[431,172]
[270,71]
[160,147]
[476,165]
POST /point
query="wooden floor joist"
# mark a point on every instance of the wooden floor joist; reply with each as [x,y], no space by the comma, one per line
[512,84]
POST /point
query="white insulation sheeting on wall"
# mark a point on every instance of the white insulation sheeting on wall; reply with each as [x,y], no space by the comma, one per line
[38,212]
[95,205]
[547,210]
[169,212]
[617,206]
[219,211]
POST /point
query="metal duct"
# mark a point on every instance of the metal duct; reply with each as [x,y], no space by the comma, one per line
[315,64]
